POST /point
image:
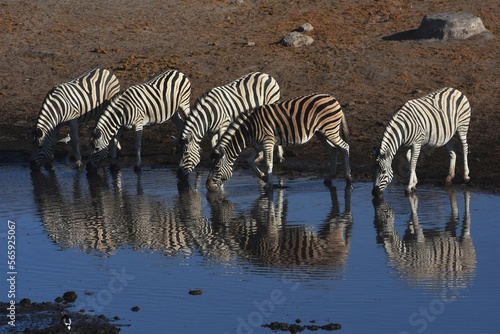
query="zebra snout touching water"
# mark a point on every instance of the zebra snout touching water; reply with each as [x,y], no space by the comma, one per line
[217,108]
[153,102]
[79,100]
[285,123]
[431,121]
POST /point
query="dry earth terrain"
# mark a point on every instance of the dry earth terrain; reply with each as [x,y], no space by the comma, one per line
[44,43]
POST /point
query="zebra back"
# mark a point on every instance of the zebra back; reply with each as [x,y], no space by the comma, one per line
[289,122]
[430,120]
[218,107]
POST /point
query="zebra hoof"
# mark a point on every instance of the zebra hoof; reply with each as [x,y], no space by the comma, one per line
[137,169]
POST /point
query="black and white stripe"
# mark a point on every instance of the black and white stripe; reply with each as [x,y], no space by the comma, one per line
[285,123]
[79,100]
[217,108]
[153,102]
[431,121]
[421,254]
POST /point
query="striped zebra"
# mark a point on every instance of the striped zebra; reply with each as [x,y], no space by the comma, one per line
[153,102]
[289,122]
[217,108]
[431,120]
[79,100]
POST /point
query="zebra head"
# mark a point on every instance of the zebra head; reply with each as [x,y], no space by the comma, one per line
[99,149]
[42,149]
[191,155]
[382,173]
[221,171]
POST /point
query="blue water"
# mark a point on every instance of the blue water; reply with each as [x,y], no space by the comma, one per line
[305,252]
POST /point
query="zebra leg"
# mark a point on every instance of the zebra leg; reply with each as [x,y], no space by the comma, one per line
[113,147]
[415,152]
[253,166]
[268,154]
[450,146]
[281,156]
[138,143]
[74,143]
[462,133]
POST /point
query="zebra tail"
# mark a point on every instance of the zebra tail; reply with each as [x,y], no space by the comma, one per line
[345,129]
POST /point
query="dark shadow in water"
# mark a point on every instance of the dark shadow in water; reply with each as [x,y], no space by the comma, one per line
[426,256]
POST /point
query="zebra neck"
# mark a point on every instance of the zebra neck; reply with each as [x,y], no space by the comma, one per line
[109,127]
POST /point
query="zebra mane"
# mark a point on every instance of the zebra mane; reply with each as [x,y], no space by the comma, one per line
[229,136]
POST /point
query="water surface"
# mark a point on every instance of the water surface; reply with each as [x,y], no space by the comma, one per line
[324,254]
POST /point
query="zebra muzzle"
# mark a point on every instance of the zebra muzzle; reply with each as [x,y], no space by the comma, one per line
[181,175]
[376,191]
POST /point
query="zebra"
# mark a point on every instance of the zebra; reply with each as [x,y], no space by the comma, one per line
[79,100]
[217,108]
[431,120]
[293,121]
[153,102]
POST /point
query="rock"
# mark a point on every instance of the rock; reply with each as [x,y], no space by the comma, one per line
[296,39]
[455,25]
[305,27]
[135,308]
[70,296]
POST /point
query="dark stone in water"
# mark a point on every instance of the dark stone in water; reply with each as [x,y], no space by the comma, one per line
[70,296]
[195,292]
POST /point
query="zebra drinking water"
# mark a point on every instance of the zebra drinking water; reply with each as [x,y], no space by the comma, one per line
[153,102]
[289,122]
[217,108]
[431,120]
[79,100]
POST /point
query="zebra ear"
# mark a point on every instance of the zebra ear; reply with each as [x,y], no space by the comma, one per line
[216,154]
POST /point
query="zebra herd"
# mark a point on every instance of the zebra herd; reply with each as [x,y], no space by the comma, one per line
[246,112]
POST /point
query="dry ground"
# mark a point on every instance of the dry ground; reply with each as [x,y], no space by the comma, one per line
[44,43]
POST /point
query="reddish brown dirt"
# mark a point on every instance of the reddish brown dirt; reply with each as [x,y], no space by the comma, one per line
[46,43]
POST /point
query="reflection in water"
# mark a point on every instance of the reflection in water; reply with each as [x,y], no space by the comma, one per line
[100,213]
[107,216]
[426,256]
[262,236]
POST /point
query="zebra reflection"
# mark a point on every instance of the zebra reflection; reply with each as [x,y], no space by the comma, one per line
[426,256]
[263,237]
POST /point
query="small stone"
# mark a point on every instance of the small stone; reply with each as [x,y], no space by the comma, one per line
[296,39]
[70,296]
[305,27]
[135,309]
[195,292]
[25,302]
